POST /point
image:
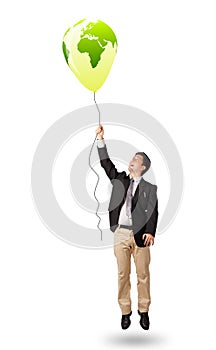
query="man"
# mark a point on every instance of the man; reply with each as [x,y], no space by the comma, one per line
[133,215]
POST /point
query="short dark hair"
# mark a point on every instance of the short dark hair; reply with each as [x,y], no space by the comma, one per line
[146,161]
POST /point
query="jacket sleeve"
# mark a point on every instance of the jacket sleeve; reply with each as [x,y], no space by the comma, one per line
[106,163]
[152,210]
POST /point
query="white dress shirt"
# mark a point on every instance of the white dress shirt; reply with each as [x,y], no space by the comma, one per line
[123,218]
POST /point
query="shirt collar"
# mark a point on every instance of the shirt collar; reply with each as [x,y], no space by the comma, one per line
[137,179]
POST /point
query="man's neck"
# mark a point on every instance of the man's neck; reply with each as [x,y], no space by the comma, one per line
[135,178]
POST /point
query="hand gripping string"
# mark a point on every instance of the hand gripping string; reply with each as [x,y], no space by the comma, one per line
[95,171]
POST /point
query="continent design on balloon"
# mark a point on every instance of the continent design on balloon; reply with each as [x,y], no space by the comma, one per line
[89,49]
[94,40]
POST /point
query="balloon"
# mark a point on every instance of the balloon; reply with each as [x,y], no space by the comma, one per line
[89,49]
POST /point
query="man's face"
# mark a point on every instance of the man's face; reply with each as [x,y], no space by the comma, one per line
[136,165]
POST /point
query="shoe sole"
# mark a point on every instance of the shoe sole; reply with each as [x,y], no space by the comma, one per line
[126,327]
[146,328]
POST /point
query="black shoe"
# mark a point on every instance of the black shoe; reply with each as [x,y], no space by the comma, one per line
[144,319]
[125,321]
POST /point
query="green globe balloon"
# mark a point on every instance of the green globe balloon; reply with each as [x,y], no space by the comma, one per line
[89,49]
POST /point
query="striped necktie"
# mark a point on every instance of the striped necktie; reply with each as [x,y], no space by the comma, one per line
[129,198]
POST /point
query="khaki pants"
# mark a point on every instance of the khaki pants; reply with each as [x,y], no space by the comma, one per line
[124,246]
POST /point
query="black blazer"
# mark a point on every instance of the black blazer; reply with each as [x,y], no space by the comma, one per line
[144,209]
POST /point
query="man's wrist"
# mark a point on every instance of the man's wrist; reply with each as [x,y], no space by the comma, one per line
[100,143]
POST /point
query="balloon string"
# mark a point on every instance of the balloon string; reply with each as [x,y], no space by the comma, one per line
[97,108]
[95,171]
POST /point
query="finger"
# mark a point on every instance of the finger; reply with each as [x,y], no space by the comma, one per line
[147,241]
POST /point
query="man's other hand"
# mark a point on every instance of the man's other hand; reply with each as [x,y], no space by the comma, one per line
[148,239]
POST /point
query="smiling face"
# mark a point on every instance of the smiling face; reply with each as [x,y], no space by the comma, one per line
[136,166]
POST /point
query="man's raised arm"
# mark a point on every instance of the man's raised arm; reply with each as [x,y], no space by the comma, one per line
[105,161]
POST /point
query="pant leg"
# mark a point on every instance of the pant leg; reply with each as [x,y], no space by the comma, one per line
[122,251]
[142,260]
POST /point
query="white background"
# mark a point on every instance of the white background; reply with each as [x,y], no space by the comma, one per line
[54,295]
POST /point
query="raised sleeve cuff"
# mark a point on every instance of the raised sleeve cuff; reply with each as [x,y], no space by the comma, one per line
[101,143]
